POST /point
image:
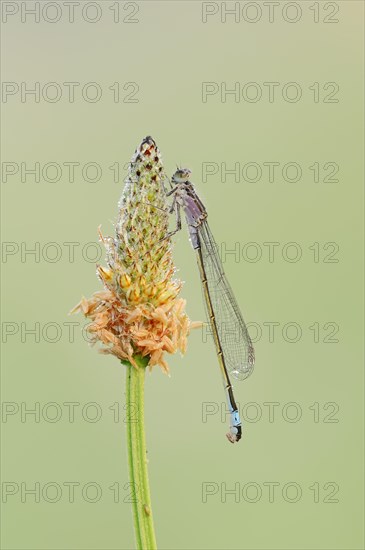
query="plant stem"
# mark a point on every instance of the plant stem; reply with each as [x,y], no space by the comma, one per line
[137,455]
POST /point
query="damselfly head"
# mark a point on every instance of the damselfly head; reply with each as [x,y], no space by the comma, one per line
[182,175]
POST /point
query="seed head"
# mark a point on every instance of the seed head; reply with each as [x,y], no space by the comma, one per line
[139,311]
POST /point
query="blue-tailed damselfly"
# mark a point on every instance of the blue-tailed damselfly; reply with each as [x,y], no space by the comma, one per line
[233,344]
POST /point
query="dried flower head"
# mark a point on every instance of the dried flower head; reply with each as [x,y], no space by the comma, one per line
[139,311]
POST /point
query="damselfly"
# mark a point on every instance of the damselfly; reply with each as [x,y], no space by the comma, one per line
[233,344]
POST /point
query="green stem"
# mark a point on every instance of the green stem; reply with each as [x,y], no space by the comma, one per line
[137,455]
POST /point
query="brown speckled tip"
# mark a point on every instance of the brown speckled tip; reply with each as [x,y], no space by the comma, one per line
[149,141]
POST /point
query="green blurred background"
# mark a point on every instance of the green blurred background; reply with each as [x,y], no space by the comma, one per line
[169,52]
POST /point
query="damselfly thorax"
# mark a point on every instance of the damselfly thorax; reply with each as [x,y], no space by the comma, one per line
[194,208]
[186,197]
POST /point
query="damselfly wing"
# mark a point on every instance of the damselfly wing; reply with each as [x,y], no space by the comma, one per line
[233,335]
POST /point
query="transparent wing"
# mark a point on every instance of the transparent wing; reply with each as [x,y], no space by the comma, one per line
[235,341]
